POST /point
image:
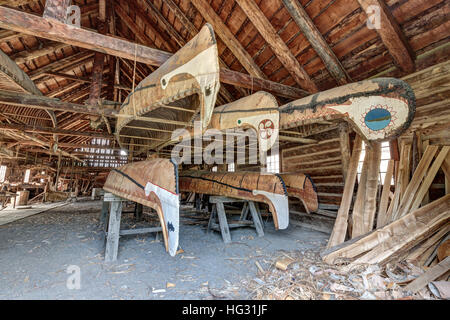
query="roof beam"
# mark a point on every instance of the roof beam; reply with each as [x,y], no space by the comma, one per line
[42,102]
[14,3]
[25,56]
[315,38]
[228,38]
[60,132]
[83,79]
[391,35]
[31,24]
[99,59]
[61,64]
[268,32]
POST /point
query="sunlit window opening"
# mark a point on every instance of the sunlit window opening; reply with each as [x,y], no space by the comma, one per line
[2,173]
[102,155]
[385,157]
[214,169]
[231,167]
[27,176]
[273,163]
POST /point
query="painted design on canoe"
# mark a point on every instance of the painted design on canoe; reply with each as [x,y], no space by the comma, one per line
[301,186]
[258,111]
[12,78]
[255,186]
[170,98]
[379,109]
[152,183]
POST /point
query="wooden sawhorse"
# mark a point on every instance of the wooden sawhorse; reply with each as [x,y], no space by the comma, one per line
[113,204]
[218,211]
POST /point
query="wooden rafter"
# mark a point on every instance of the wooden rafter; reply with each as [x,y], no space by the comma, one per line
[148,6]
[41,102]
[315,38]
[30,24]
[99,59]
[138,33]
[192,31]
[278,46]
[25,56]
[15,3]
[71,61]
[392,36]
[33,129]
[228,38]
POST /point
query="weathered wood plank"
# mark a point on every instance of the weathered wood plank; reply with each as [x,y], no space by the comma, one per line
[224,229]
[112,241]
[382,210]
[431,174]
[340,226]
[431,274]
[414,184]
[256,219]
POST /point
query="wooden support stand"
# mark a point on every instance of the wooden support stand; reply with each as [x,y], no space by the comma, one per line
[218,212]
[113,233]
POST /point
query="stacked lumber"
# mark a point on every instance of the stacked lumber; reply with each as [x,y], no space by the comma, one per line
[398,239]
[407,227]
[412,184]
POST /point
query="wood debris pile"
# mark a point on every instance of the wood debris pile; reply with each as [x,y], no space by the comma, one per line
[307,277]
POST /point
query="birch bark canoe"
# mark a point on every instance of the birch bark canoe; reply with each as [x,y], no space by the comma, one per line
[152,183]
[260,187]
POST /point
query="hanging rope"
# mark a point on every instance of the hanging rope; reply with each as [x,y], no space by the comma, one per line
[134,76]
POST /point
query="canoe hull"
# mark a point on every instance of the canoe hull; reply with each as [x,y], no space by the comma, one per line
[152,183]
[254,186]
[170,97]
[301,186]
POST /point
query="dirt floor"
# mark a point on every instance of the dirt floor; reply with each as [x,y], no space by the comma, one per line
[35,253]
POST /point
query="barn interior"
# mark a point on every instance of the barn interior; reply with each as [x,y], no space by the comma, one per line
[344,106]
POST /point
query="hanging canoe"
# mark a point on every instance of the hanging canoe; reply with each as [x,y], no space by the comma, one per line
[301,186]
[172,96]
[260,187]
[152,183]
[258,111]
[378,109]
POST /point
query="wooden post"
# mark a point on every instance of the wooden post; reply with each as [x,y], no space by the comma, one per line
[382,210]
[112,241]
[256,219]
[370,206]
[426,199]
[224,229]
[138,211]
[244,211]
[345,147]
[104,213]
[340,226]
[56,9]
